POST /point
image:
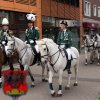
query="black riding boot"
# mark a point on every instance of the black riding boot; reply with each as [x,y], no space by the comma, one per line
[69,66]
[38,58]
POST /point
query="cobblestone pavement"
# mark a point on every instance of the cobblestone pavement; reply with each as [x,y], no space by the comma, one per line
[88,88]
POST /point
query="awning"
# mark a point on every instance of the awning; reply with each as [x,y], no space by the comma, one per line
[91,25]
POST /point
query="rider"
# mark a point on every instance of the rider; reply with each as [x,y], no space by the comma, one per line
[3,32]
[32,35]
[65,40]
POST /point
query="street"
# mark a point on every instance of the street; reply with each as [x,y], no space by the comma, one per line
[87,89]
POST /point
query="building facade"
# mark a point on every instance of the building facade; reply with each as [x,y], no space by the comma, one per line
[16,10]
[53,11]
[82,16]
[91,16]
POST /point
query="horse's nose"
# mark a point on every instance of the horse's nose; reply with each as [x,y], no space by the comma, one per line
[45,61]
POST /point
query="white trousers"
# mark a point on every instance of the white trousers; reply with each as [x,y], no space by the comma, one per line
[37,48]
[69,53]
[68,50]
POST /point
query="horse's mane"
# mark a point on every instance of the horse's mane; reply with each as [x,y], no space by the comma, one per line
[47,40]
[18,39]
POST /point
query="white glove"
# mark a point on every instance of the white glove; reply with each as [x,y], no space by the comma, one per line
[3,42]
[25,42]
[31,41]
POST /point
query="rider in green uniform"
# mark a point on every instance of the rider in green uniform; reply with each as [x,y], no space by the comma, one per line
[65,40]
[3,32]
[32,35]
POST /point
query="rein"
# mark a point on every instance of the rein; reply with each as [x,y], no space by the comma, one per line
[47,55]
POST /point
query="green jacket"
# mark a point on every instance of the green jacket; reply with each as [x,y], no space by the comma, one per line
[31,35]
[65,38]
[2,35]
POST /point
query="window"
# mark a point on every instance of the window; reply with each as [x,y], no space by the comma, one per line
[87,8]
[95,10]
[98,11]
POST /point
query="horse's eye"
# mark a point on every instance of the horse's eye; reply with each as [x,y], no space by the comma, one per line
[44,49]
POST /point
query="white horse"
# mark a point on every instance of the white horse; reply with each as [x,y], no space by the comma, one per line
[88,45]
[56,60]
[26,54]
[97,47]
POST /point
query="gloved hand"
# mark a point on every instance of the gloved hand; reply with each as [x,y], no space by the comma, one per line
[3,42]
[31,41]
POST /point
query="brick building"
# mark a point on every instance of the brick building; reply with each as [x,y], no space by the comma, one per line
[81,15]
[54,11]
[49,13]
[91,16]
[16,10]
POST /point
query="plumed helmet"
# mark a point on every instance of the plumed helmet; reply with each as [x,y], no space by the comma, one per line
[31,17]
[5,21]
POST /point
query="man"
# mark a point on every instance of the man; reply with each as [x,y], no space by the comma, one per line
[65,40]
[3,32]
[5,29]
[32,35]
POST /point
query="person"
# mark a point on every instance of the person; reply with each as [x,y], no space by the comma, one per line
[32,35]
[3,32]
[65,40]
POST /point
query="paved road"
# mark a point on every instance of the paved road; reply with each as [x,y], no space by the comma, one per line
[88,88]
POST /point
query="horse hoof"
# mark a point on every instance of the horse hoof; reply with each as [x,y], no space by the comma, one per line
[67,88]
[86,64]
[91,62]
[53,94]
[44,80]
[98,64]
[32,86]
[0,86]
[59,95]
[75,84]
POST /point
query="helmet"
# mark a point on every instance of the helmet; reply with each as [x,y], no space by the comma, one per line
[31,17]
[5,21]
[64,22]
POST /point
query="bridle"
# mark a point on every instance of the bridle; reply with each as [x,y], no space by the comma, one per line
[12,50]
[50,56]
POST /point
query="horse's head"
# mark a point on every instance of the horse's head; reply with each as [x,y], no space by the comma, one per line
[87,40]
[43,50]
[10,45]
[97,37]
[84,37]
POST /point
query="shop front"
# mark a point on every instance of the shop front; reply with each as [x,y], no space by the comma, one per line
[91,28]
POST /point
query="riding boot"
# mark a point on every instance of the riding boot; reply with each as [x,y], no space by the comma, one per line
[69,66]
[38,58]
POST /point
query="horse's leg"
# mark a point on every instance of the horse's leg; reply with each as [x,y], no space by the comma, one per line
[98,58]
[68,80]
[50,83]
[76,71]
[85,56]
[21,67]
[60,83]
[0,76]
[43,65]
[31,76]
